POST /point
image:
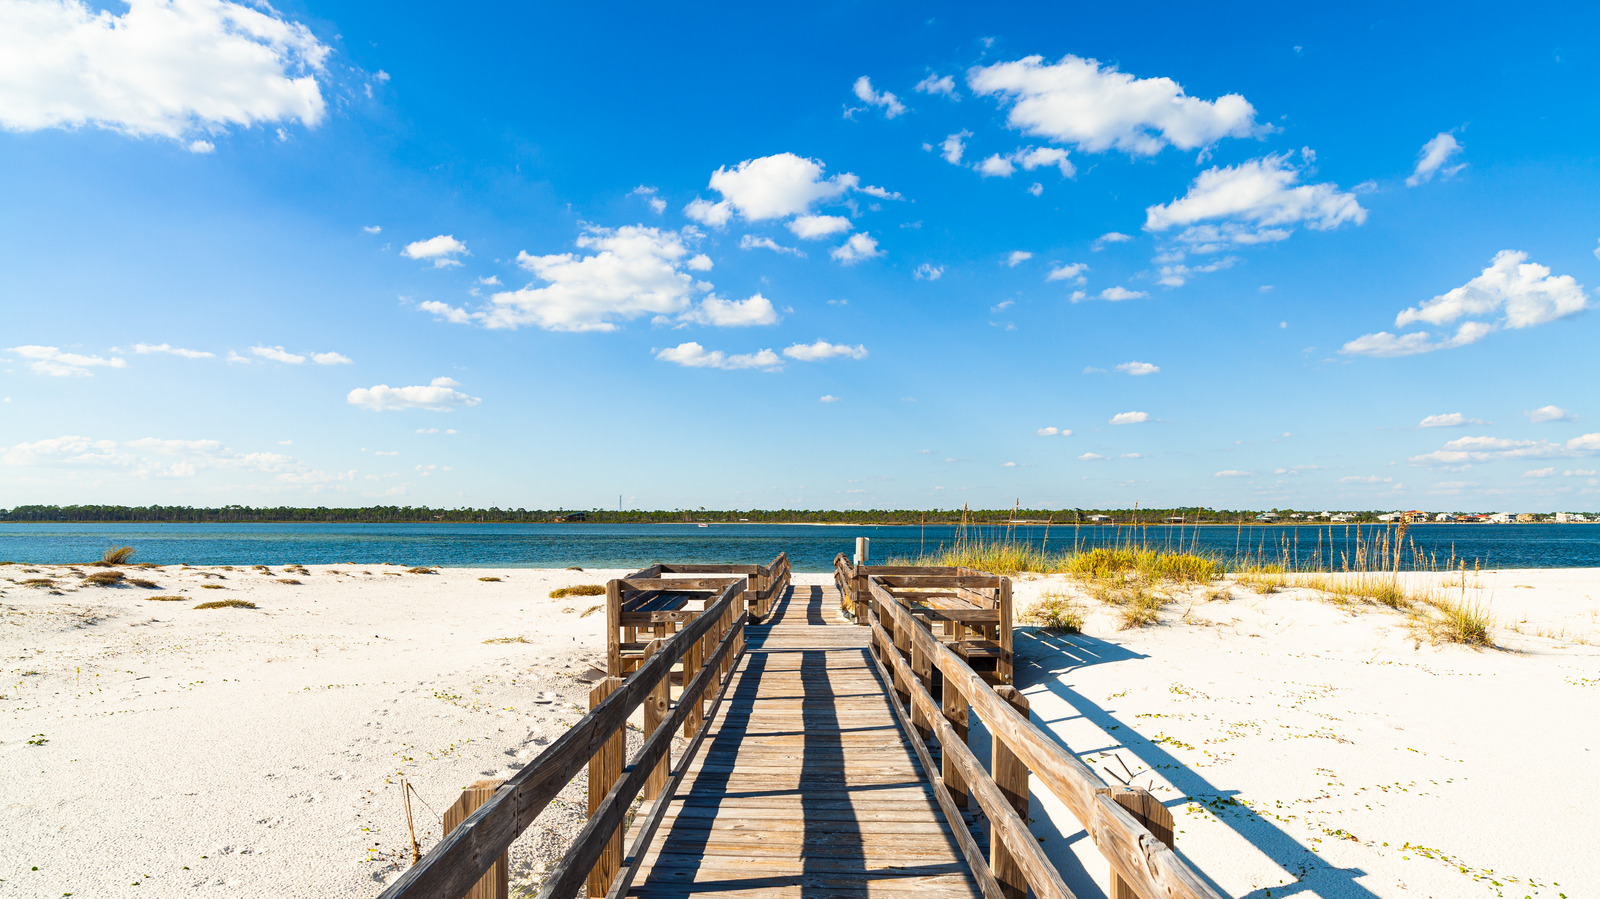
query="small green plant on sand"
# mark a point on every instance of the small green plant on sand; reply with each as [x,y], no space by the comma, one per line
[226,604]
[579,590]
[508,640]
[1056,612]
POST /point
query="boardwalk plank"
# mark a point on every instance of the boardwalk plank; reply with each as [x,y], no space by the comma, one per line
[805,786]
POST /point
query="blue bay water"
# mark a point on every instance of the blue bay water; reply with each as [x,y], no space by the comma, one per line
[810,547]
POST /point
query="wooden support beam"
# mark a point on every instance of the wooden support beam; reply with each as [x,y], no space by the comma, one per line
[604,770]
[655,711]
[496,881]
[613,623]
[1011,776]
[1157,818]
[954,706]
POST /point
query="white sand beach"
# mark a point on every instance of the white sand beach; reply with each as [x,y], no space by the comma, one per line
[151,748]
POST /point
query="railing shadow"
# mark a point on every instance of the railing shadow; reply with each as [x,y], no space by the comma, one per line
[1045,660]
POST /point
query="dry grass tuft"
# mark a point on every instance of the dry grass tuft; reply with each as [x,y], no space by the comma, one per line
[166,598]
[142,582]
[590,611]
[117,555]
[39,582]
[574,568]
[104,578]
[1459,621]
[212,587]
[580,590]
[1056,612]
[227,604]
[421,570]
[289,580]
[492,580]
[508,640]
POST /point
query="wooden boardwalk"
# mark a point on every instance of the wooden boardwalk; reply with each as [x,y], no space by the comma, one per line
[806,785]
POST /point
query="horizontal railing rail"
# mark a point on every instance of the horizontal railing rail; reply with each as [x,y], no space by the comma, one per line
[709,646]
[912,655]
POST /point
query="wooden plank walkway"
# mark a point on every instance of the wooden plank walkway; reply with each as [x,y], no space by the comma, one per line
[806,786]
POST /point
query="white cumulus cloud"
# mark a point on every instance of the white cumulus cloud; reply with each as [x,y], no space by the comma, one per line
[951,148]
[277,354]
[771,187]
[650,195]
[1070,272]
[163,68]
[1054,432]
[693,355]
[860,246]
[1511,293]
[1449,420]
[816,227]
[720,313]
[751,242]
[630,271]
[1549,413]
[1138,368]
[1253,202]
[331,359]
[1432,158]
[1118,293]
[169,349]
[49,360]
[1130,418]
[439,395]
[937,85]
[440,250]
[927,271]
[890,103]
[822,350]
[1077,101]
[1110,237]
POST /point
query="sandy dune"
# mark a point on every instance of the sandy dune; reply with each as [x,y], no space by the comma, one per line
[152,749]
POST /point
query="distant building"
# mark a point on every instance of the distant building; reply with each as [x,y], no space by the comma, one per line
[1502,517]
[1341,516]
[1526,518]
[573,516]
[1268,516]
[1444,516]
[1097,517]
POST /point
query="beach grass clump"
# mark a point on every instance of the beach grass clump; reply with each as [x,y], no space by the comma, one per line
[508,640]
[1461,621]
[44,582]
[104,578]
[289,580]
[166,598]
[1057,613]
[590,611]
[227,604]
[579,590]
[117,555]
[421,569]
[144,583]
[492,580]
[212,587]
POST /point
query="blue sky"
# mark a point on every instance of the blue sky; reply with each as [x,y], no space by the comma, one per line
[854,256]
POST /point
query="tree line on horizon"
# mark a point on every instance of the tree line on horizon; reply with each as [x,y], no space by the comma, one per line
[235,514]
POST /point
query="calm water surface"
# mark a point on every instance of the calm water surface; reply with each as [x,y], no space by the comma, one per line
[810,547]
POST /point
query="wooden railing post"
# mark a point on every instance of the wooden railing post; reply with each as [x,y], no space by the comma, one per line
[1156,818]
[955,711]
[494,884]
[693,661]
[922,667]
[1004,602]
[655,711]
[613,632]
[605,768]
[1011,776]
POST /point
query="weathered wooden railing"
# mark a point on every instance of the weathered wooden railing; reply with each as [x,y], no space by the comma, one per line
[709,644]
[937,690]
[973,608]
[655,600]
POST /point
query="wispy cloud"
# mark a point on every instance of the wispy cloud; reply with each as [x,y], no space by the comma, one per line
[1432,159]
[441,250]
[438,395]
[693,355]
[53,361]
